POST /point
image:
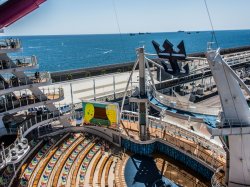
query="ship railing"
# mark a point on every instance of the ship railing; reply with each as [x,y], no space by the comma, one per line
[236,54]
[11,81]
[14,152]
[16,62]
[25,99]
[198,152]
[191,143]
[237,58]
[10,43]
[49,128]
[41,118]
[232,123]
[177,130]
[25,126]
[175,103]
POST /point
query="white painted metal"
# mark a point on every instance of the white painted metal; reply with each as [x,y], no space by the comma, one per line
[234,106]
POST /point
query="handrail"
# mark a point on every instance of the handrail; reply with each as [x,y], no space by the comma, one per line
[175,103]
[16,62]
[232,123]
[10,43]
[182,132]
[196,152]
[28,99]
[25,126]
[30,79]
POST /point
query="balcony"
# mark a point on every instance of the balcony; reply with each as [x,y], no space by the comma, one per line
[15,152]
[10,45]
[10,83]
[18,64]
[12,103]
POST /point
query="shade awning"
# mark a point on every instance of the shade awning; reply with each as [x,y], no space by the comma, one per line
[13,10]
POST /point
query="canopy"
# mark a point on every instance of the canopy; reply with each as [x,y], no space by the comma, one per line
[13,10]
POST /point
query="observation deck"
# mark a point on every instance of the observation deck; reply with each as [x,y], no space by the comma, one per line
[24,101]
[14,64]
[10,83]
[10,45]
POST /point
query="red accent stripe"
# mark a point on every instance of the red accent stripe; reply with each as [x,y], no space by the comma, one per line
[13,10]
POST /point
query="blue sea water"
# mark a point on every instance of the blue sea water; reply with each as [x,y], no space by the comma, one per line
[56,53]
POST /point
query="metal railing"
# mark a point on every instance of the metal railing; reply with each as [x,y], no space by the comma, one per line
[237,58]
[175,103]
[232,123]
[14,152]
[10,44]
[28,99]
[25,127]
[157,123]
[12,81]
[197,151]
[17,62]
[184,133]
[40,118]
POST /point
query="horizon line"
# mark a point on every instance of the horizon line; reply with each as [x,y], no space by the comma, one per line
[124,33]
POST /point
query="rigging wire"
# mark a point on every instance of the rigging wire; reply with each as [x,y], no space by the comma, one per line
[118,26]
[211,24]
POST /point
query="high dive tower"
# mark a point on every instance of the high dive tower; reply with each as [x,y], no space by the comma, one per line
[233,126]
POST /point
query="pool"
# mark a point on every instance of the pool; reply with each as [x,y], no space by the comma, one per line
[141,171]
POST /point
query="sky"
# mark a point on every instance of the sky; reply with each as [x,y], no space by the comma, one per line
[58,17]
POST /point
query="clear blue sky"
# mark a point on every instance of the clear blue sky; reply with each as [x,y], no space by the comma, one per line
[97,16]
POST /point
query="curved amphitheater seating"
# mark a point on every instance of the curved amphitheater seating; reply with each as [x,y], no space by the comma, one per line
[50,160]
[66,164]
[101,169]
[108,167]
[85,164]
[33,164]
[93,169]
[82,162]
[66,161]
[69,165]
[119,168]
[47,173]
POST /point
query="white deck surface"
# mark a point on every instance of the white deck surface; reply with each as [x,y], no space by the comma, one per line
[83,89]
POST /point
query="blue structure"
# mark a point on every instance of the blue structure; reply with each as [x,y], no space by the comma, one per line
[141,171]
[210,120]
[148,149]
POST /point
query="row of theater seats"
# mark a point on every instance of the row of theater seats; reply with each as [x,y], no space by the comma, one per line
[74,160]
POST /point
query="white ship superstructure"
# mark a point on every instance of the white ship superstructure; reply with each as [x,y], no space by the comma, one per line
[23,105]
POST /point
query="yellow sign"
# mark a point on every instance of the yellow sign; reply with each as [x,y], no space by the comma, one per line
[106,114]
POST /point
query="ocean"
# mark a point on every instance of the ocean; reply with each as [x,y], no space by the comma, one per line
[57,53]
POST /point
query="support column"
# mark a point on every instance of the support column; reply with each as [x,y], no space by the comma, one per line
[142,105]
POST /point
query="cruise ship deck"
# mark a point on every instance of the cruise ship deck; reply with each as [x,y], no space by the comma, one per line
[72,147]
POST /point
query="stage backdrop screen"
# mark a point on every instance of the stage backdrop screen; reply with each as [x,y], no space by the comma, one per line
[105,114]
